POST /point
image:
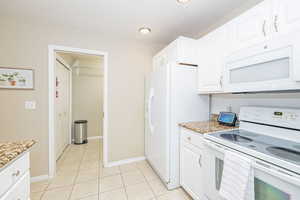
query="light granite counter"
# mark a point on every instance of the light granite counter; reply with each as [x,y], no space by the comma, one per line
[206,126]
[11,150]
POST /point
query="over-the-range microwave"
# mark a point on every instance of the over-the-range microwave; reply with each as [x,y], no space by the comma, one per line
[271,66]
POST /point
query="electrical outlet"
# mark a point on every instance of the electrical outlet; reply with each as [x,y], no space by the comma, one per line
[229,108]
[30,105]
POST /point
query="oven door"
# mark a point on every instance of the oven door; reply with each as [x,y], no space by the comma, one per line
[270,182]
[274,183]
[213,170]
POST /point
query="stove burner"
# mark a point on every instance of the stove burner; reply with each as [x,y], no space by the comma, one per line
[297,147]
[235,138]
[285,153]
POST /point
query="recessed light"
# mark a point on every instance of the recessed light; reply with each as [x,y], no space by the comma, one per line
[145,30]
[183,1]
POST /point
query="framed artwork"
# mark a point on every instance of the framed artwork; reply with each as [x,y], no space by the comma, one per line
[16,78]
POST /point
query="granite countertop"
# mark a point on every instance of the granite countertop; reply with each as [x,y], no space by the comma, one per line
[206,126]
[11,150]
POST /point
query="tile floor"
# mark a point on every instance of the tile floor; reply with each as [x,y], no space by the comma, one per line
[81,176]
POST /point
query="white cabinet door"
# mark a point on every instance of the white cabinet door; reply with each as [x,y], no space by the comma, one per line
[186,50]
[19,191]
[6,179]
[191,171]
[286,16]
[253,26]
[212,51]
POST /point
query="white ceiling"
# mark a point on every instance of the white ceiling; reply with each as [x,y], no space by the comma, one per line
[76,60]
[77,56]
[123,18]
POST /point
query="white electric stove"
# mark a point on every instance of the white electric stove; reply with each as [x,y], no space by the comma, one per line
[271,138]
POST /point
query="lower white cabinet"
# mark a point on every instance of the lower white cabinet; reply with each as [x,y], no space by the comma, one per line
[15,180]
[191,165]
[20,190]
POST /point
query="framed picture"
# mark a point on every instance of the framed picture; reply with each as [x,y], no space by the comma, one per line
[16,78]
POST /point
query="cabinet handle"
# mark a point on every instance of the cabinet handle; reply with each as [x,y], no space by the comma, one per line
[276,23]
[264,28]
[189,138]
[221,81]
[17,173]
[200,160]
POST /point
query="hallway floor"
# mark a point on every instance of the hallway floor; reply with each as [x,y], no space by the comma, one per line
[81,176]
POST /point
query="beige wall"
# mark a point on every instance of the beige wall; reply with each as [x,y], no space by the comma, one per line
[25,45]
[88,102]
[87,97]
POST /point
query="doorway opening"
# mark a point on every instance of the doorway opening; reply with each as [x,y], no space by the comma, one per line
[77,91]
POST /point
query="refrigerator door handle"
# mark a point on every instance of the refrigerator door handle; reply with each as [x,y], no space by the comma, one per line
[151,96]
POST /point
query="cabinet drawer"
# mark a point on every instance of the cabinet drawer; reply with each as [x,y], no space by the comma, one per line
[192,137]
[21,189]
[13,173]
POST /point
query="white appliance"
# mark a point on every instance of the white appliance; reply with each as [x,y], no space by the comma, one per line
[269,66]
[172,98]
[270,137]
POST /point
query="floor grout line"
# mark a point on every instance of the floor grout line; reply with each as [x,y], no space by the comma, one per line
[83,153]
[86,155]
[149,184]
[123,183]
[78,171]
[98,186]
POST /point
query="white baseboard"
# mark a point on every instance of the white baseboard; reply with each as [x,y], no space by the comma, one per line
[39,178]
[126,161]
[95,138]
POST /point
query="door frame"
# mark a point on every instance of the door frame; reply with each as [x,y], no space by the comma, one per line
[51,101]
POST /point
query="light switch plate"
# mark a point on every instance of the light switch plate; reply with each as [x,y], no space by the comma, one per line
[30,105]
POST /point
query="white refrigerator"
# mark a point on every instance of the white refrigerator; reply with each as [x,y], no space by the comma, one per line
[171,99]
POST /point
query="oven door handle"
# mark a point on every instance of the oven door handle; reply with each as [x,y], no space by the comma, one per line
[277,172]
[214,146]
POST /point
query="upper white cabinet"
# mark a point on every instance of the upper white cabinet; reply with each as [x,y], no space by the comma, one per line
[264,21]
[253,26]
[212,50]
[182,51]
[260,26]
[286,16]
[186,50]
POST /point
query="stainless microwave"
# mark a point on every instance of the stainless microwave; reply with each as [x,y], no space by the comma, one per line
[271,66]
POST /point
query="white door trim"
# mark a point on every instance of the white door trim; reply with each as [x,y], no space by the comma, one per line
[51,96]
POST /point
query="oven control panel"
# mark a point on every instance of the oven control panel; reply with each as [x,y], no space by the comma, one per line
[286,117]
